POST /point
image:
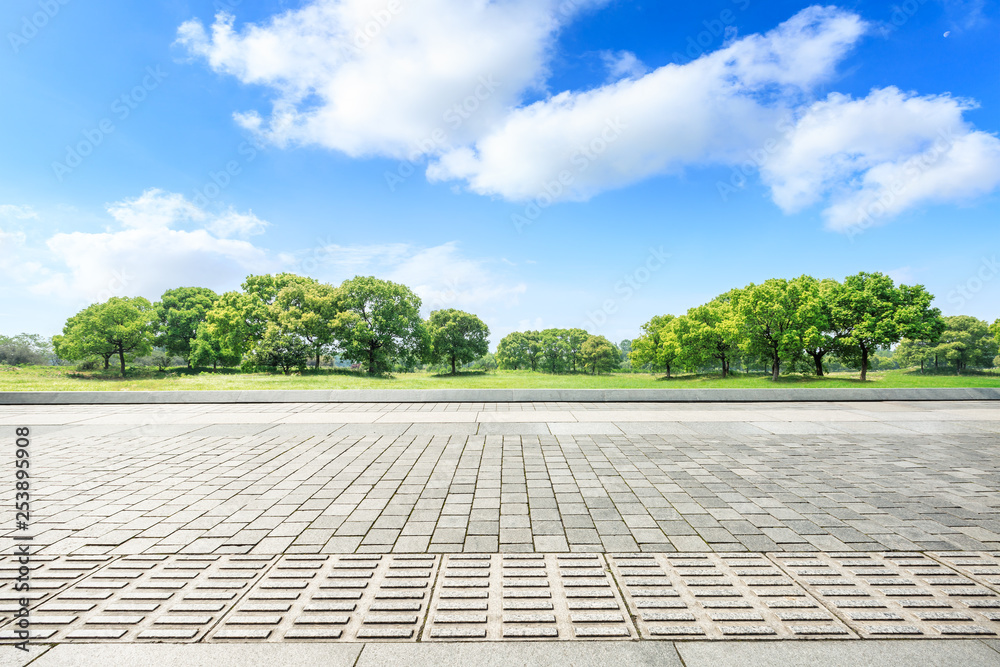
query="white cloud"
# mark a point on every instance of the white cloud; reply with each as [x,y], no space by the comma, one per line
[358,77]
[623,64]
[711,110]
[11,211]
[147,253]
[878,156]
[450,82]
[442,276]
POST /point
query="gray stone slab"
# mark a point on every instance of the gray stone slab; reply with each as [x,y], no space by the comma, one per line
[556,654]
[200,655]
[12,657]
[498,395]
[832,653]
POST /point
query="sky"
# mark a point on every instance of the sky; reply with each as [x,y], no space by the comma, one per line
[541,163]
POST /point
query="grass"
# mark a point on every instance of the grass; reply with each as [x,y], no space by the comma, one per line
[65,378]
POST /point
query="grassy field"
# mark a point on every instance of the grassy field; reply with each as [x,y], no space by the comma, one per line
[64,378]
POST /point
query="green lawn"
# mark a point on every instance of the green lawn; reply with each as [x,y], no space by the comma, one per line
[48,378]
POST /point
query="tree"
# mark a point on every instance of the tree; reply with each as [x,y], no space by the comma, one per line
[25,349]
[966,341]
[872,313]
[308,309]
[712,334]
[774,317]
[121,326]
[822,336]
[179,313]
[228,328]
[457,337]
[281,349]
[512,351]
[555,349]
[379,323]
[912,352]
[599,354]
[207,349]
[649,347]
[574,339]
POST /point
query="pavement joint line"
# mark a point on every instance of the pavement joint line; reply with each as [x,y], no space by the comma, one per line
[232,608]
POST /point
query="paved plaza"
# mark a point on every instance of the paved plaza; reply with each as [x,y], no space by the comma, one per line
[513,477]
[357,525]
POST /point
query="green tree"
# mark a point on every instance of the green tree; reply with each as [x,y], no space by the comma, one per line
[379,323]
[208,350]
[308,309]
[121,326]
[966,342]
[457,337]
[281,349]
[555,349]
[872,313]
[712,334]
[228,328]
[25,349]
[574,340]
[912,352]
[179,312]
[599,354]
[774,317]
[512,351]
[821,335]
[649,348]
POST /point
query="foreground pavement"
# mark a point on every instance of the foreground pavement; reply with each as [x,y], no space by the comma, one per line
[281,533]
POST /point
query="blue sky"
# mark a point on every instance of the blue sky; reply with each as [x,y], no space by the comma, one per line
[607,160]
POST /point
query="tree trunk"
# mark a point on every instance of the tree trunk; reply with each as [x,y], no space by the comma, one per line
[775,368]
[371,359]
[453,364]
[121,358]
[317,359]
[819,363]
[864,364]
[107,362]
[215,365]
[668,371]
[725,367]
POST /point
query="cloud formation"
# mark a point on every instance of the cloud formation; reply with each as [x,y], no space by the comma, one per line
[452,81]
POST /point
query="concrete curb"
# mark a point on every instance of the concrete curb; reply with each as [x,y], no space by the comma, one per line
[499,396]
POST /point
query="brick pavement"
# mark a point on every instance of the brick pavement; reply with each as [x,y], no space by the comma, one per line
[513,477]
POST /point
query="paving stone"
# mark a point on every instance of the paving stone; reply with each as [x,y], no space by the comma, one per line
[717,595]
[901,586]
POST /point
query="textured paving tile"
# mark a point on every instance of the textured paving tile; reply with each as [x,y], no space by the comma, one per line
[527,596]
[983,567]
[135,598]
[896,594]
[328,598]
[719,596]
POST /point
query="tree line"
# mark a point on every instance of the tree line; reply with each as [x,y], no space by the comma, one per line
[277,322]
[558,351]
[803,321]
[286,322]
